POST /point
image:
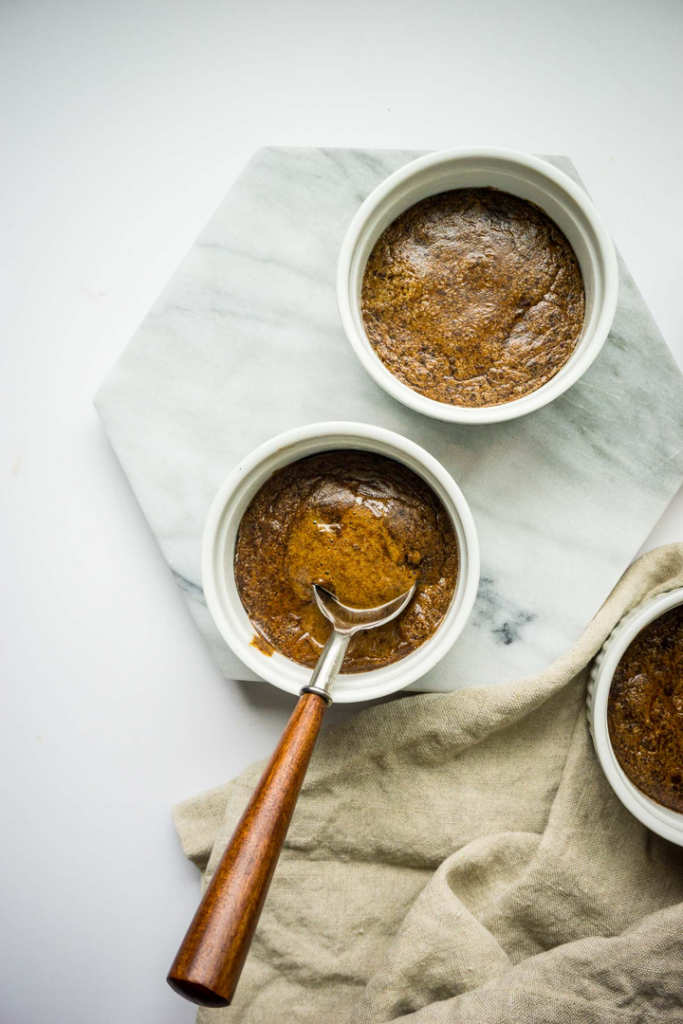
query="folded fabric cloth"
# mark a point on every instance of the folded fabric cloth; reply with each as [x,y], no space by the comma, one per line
[461,859]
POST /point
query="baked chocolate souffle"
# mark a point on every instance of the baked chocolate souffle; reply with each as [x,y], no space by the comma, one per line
[473,297]
[364,527]
[645,710]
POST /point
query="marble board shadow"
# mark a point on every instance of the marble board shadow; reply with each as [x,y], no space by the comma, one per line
[246,342]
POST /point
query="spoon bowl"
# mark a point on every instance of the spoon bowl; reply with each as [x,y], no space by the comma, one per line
[351,620]
[346,621]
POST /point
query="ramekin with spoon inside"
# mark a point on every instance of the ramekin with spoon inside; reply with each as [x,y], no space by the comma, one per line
[220,534]
[209,962]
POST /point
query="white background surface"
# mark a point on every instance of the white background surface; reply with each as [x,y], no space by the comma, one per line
[122,127]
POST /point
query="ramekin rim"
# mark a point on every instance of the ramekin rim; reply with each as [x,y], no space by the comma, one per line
[553,388]
[662,820]
[429,653]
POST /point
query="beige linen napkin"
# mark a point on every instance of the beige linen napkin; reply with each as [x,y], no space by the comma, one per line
[460,859]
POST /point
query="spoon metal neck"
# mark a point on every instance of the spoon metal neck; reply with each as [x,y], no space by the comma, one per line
[329,665]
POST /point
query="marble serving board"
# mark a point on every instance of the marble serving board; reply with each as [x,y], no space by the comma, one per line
[246,342]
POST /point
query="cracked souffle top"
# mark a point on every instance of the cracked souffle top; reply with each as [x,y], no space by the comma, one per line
[364,527]
[473,297]
[645,710]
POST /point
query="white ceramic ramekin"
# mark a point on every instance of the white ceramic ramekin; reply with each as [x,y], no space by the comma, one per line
[661,820]
[525,176]
[220,534]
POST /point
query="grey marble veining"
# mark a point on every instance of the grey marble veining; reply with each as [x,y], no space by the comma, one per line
[246,342]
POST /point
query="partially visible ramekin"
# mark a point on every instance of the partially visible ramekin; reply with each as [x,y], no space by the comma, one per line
[522,175]
[220,534]
[661,820]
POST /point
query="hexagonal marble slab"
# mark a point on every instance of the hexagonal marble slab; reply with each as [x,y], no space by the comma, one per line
[246,342]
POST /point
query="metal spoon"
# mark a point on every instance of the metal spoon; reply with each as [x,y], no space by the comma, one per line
[208,964]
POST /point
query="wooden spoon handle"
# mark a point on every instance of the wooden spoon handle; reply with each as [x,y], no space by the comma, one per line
[210,960]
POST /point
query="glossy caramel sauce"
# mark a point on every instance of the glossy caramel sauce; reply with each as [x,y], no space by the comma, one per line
[473,297]
[645,710]
[363,526]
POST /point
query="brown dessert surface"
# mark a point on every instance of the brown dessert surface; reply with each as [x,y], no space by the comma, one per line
[645,710]
[363,526]
[473,297]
